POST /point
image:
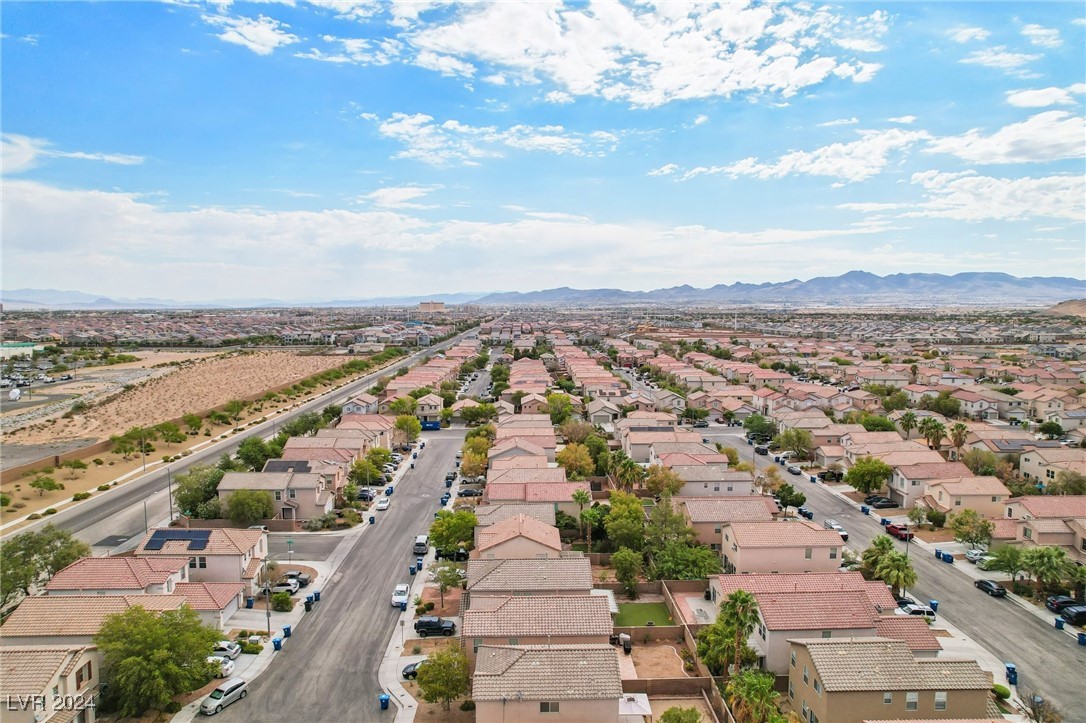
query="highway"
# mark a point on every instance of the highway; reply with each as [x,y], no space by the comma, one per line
[108,520]
[1048,661]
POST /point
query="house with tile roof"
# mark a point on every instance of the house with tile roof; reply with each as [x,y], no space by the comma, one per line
[558,495]
[985,495]
[361,404]
[707,515]
[120,576]
[850,680]
[487,515]
[1044,464]
[550,576]
[578,683]
[227,555]
[297,496]
[214,602]
[535,620]
[516,447]
[40,673]
[548,475]
[710,480]
[73,619]
[914,631]
[909,483]
[519,537]
[783,546]
[1058,520]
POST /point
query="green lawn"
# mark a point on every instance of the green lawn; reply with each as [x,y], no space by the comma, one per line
[633,614]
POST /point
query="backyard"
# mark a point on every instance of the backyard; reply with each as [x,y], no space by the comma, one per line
[640,614]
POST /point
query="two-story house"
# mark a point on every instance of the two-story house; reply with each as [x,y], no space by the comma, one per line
[120,576]
[569,576]
[220,555]
[784,546]
[518,537]
[985,495]
[297,496]
[361,404]
[535,620]
[49,683]
[708,515]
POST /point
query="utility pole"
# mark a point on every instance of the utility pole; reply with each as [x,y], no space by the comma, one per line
[143,450]
[267,596]
[169,491]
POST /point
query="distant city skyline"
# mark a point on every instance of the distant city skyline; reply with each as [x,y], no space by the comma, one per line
[359,149]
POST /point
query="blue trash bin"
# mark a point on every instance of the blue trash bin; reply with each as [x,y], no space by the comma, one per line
[418,563]
[948,558]
[414,455]
[934,605]
[448,483]
[865,509]
[277,643]
[389,490]
[249,602]
[884,521]
[938,553]
[383,700]
[1059,623]
[1012,673]
[373,519]
[1082,638]
[286,631]
[309,599]
[316,596]
[412,569]
[403,606]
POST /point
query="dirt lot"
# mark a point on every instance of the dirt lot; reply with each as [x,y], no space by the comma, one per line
[452,601]
[434,711]
[943,535]
[660,659]
[659,705]
[425,645]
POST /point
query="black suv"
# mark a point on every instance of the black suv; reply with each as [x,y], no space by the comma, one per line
[700,424]
[761,449]
[1057,603]
[301,577]
[454,555]
[366,495]
[830,475]
[433,625]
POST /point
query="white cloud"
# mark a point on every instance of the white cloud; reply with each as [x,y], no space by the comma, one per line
[840,122]
[1049,136]
[261,35]
[701,119]
[970,197]
[444,64]
[965,35]
[1041,36]
[664,170]
[358,51]
[903,119]
[852,161]
[1001,59]
[348,9]
[1043,97]
[453,142]
[399,196]
[559,96]
[20,153]
[496,79]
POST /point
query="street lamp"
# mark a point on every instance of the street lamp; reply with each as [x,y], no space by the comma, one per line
[267,596]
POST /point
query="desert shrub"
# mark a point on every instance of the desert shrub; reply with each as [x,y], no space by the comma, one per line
[467,705]
[33,516]
[282,602]
[103,488]
[98,461]
[429,606]
[19,505]
[50,511]
[1001,691]
[251,648]
[81,496]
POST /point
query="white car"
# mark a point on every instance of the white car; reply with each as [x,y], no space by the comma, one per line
[383,503]
[400,595]
[226,649]
[974,555]
[225,666]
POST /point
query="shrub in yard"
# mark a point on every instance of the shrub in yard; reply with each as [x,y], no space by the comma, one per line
[1001,691]
[282,602]
[50,511]
[98,461]
[103,488]
[251,648]
[19,505]
[429,606]
[420,610]
[33,516]
[173,706]
[81,496]
[416,650]
[467,705]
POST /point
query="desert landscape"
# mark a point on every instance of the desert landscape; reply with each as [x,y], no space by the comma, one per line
[199,384]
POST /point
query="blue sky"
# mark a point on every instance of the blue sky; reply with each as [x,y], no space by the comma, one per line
[348,149]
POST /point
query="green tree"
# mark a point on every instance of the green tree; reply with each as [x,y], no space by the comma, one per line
[332,413]
[576,460]
[908,423]
[559,407]
[896,570]
[452,530]
[677,714]
[790,497]
[957,435]
[752,696]
[880,547]
[44,484]
[234,408]
[627,564]
[403,406]
[122,446]
[576,431]
[409,425]
[661,480]
[74,467]
[625,524]
[476,445]
[896,400]
[875,423]
[680,561]
[446,415]
[796,440]
[170,433]
[254,452]
[1068,482]
[148,658]
[31,558]
[486,431]
[971,528]
[1047,565]
[364,472]
[916,514]
[379,457]
[445,676]
[198,485]
[1008,559]
[980,462]
[933,431]
[447,576]
[868,474]
[581,497]
[666,525]
[1052,430]
[756,424]
[193,421]
[473,464]
[247,507]
[739,614]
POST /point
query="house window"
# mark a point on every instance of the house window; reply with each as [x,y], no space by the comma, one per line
[197,562]
[292,493]
[833,553]
[551,707]
[791,691]
[475,643]
[827,633]
[811,717]
[793,661]
[940,495]
[806,676]
[761,631]
[995,498]
[958,502]
[887,698]
[806,710]
[514,641]
[730,488]
[278,496]
[911,700]
[716,530]
[818,687]
[940,700]
[83,676]
[1027,533]
[808,553]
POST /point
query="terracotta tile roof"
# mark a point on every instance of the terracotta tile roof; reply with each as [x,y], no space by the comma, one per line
[547,672]
[519,526]
[490,514]
[64,615]
[540,615]
[782,534]
[546,492]
[816,611]
[252,568]
[1004,529]
[522,461]
[808,582]
[511,576]
[1049,525]
[518,443]
[225,541]
[550,475]
[933,470]
[1053,506]
[729,509]
[27,670]
[913,630]
[971,486]
[116,573]
[208,595]
[856,664]
[270,480]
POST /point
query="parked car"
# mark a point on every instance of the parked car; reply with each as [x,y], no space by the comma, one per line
[872,499]
[903,601]
[454,555]
[832,525]
[804,512]
[700,424]
[987,562]
[226,649]
[65,377]
[383,503]
[401,594]
[883,504]
[922,611]
[433,625]
[794,469]
[469,493]
[901,532]
[225,694]
[991,587]
[761,449]
[222,667]
[450,476]
[411,671]
[1058,603]
[302,579]
[830,475]
[1075,614]
[459,453]
[289,586]
[366,495]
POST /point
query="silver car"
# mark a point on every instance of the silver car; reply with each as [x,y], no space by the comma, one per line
[225,694]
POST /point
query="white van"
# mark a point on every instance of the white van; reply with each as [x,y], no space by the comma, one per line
[228,692]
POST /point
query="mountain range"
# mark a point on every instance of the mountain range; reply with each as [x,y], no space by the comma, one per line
[852,288]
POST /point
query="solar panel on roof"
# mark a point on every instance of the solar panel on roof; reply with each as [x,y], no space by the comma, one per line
[197,539]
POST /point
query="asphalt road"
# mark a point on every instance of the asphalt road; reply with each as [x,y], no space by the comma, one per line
[477,388]
[122,512]
[328,672]
[1048,661]
[307,545]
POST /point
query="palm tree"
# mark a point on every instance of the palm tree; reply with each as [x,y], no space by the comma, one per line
[907,422]
[1076,580]
[752,695]
[1047,565]
[629,474]
[914,371]
[896,570]
[933,431]
[881,546]
[740,614]
[582,497]
[714,647]
[958,433]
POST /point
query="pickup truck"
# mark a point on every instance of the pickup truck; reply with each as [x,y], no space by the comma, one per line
[899,531]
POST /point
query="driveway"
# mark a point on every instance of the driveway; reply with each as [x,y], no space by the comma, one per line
[328,671]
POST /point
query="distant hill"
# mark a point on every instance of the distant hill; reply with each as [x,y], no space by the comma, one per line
[853,288]
[1074,307]
[43,299]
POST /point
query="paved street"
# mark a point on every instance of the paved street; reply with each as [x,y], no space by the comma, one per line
[307,545]
[328,671]
[1048,661]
